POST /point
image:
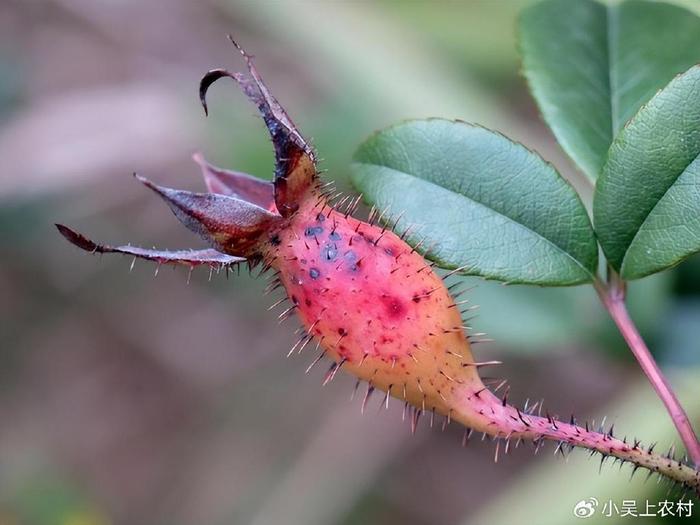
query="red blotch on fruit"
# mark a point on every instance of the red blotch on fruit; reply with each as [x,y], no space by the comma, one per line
[394,306]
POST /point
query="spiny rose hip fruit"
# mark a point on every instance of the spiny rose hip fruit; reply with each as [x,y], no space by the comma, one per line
[368,300]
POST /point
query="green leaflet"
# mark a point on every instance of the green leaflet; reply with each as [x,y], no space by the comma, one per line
[647,202]
[480,200]
[590,67]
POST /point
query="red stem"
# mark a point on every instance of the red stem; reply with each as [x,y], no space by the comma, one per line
[613,297]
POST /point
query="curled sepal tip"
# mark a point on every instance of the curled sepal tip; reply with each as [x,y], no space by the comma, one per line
[295,166]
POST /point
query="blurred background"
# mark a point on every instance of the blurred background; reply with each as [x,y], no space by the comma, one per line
[132,399]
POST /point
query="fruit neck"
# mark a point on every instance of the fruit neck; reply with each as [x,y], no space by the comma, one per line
[484,412]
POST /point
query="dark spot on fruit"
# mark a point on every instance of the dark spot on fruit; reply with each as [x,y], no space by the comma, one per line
[294,299]
[416,298]
[342,331]
[329,252]
[308,302]
[389,251]
[320,217]
[394,307]
[334,236]
[344,352]
[314,273]
[275,240]
[313,230]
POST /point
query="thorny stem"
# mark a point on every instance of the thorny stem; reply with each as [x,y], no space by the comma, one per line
[483,411]
[612,295]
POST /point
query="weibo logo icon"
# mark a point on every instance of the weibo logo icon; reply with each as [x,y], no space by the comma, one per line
[585,508]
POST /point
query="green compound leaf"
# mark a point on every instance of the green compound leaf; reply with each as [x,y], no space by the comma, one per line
[590,67]
[480,201]
[646,206]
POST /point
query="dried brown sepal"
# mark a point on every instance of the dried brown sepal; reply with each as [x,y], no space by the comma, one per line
[295,166]
[230,225]
[237,184]
[189,258]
